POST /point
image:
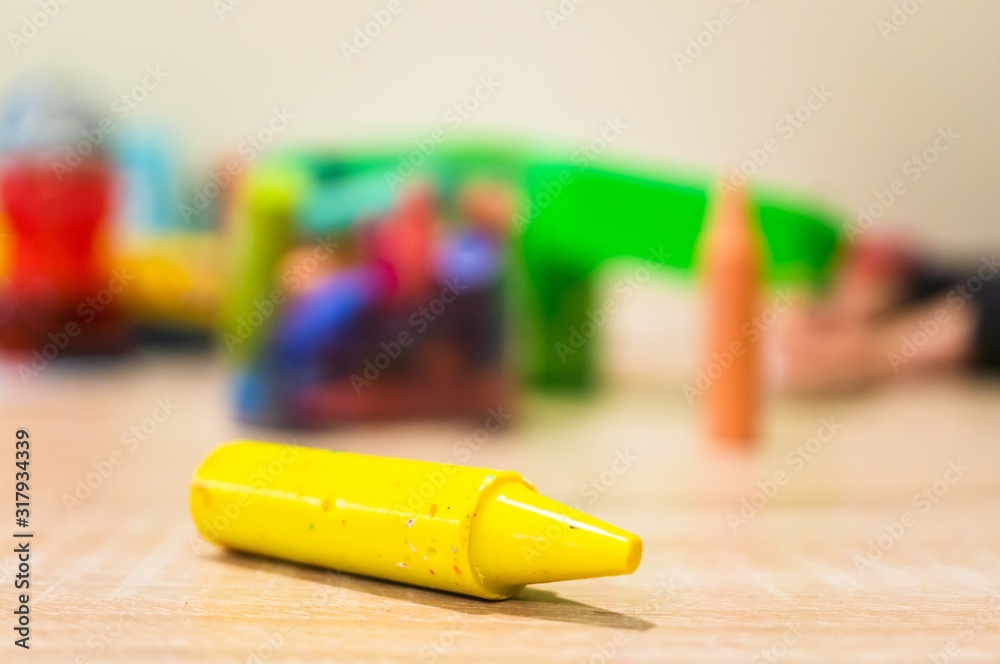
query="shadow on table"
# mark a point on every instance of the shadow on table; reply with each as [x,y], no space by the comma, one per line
[529,603]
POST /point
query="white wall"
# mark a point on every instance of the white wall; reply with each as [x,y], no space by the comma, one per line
[889,95]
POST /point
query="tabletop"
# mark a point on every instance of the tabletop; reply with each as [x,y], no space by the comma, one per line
[862,528]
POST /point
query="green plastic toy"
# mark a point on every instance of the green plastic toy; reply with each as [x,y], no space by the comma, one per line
[579,217]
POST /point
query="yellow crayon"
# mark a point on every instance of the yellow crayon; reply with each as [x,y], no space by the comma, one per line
[475,531]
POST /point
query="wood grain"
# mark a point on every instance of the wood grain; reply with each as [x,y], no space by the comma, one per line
[122,576]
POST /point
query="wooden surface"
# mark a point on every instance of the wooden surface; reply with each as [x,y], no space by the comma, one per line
[123,577]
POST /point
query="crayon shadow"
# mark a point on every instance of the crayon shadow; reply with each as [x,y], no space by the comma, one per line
[529,603]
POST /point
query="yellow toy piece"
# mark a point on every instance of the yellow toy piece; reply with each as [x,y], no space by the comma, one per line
[177,279]
[475,531]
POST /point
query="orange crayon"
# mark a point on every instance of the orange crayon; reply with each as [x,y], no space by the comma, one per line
[732,273]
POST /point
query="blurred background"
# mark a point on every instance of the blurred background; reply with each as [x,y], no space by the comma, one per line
[699,86]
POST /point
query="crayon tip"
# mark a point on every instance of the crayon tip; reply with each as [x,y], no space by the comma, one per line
[519,537]
[732,212]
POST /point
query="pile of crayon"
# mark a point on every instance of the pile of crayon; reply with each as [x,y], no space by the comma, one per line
[359,295]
